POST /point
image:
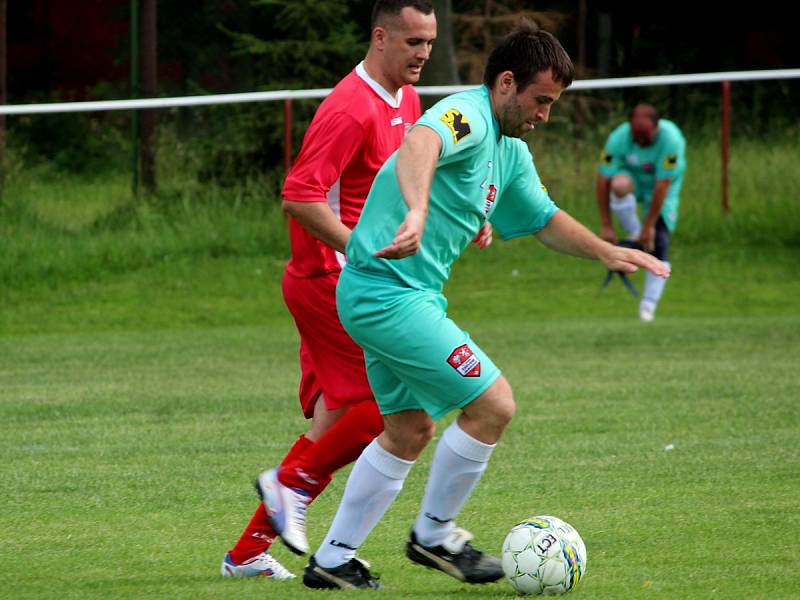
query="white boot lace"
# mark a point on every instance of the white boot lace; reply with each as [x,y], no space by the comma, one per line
[278,570]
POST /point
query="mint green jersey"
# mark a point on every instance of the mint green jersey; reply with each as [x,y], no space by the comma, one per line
[665,158]
[480,175]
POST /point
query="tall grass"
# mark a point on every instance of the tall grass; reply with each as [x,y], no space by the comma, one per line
[56,227]
[61,228]
[764,185]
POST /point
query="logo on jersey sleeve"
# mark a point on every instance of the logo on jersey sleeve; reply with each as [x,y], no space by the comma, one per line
[457,124]
[463,360]
[671,161]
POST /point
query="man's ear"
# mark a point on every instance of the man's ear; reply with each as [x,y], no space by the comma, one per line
[505,82]
[379,38]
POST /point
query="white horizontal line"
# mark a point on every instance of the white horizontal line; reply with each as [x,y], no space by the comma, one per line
[441,90]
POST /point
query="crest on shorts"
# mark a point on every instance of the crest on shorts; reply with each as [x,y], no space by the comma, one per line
[463,360]
[457,124]
[606,157]
[671,161]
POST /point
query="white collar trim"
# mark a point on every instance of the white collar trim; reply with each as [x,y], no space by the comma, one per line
[392,101]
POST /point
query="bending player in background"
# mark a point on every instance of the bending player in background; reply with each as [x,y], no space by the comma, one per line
[643,162]
[353,132]
[460,167]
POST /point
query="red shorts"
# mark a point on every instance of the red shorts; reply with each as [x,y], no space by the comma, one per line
[331,363]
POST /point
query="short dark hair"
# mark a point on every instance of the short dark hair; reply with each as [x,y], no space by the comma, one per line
[526,52]
[393,8]
[650,111]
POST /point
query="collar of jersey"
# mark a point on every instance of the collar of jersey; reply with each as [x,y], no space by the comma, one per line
[378,88]
[488,97]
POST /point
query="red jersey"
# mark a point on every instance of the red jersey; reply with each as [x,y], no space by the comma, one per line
[355,129]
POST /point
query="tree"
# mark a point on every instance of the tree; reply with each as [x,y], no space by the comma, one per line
[442,68]
[147,123]
[291,44]
[479,24]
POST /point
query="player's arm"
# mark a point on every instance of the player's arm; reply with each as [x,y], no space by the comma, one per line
[414,167]
[326,152]
[647,238]
[564,234]
[320,221]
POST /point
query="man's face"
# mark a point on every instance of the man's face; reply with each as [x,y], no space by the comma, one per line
[643,129]
[408,42]
[524,109]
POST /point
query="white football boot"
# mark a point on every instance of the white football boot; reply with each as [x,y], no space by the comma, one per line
[286,509]
[262,565]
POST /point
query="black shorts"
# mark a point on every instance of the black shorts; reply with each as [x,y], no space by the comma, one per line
[661,250]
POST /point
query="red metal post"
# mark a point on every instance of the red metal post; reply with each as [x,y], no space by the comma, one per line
[287,134]
[725,141]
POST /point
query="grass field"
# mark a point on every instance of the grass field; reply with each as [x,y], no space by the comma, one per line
[148,372]
[132,428]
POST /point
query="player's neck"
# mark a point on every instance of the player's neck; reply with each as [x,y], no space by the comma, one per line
[373,68]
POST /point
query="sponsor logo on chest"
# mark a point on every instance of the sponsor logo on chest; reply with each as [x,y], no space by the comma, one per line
[632,160]
[487,204]
[492,190]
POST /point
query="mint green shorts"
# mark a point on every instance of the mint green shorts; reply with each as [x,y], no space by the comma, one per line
[416,357]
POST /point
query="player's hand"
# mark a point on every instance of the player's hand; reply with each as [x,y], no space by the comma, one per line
[647,238]
[608,234]
[408,239]
[484,237]
[628,260]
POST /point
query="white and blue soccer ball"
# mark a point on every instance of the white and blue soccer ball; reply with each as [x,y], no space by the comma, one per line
[543,555]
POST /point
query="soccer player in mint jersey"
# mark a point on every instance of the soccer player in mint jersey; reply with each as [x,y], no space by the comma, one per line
[461,166]
[355,129]
[643,162]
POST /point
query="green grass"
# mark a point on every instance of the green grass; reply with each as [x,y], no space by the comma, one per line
[133,421]
[148,372]
[128,457]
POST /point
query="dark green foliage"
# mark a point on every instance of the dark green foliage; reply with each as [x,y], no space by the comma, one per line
[303,43]
[73,142]
[292,44]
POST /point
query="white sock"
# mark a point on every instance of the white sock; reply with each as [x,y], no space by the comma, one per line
[653,288]
[374,483]
[624,208]
[458,464]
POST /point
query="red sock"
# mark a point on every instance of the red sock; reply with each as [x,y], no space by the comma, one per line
[339,446]
[259,535]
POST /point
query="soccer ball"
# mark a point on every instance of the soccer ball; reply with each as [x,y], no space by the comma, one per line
[543,555]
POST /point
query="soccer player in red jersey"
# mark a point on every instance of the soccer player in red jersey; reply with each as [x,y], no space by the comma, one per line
[355,129]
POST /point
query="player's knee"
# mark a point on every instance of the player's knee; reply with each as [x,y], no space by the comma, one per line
[407,433]
[621,185]
[505,411]
[422,434]
[494,409]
